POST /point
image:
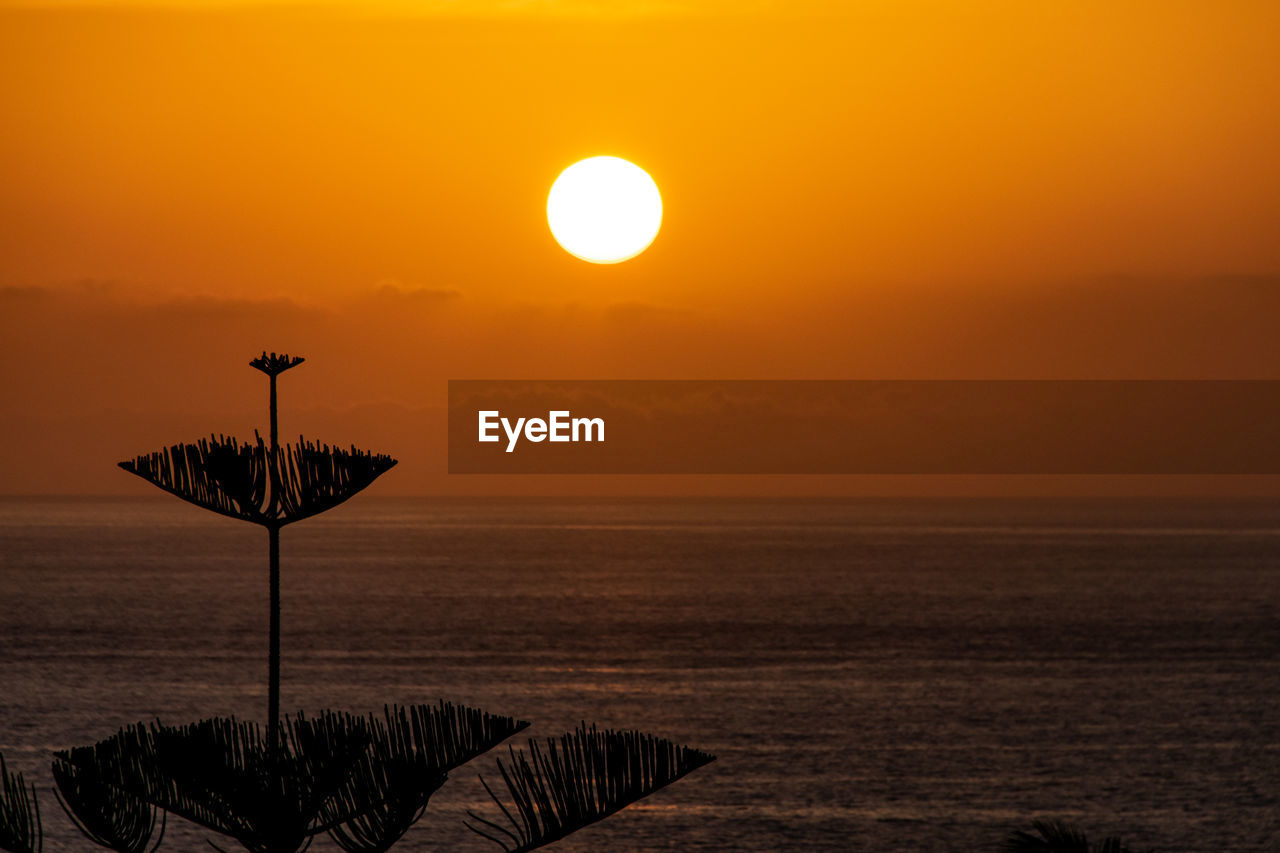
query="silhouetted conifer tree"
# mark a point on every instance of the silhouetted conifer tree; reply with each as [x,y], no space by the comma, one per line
[364,780]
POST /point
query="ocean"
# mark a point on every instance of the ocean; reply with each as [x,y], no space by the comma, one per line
[878,675]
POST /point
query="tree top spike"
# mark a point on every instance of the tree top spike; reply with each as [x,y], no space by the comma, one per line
[273,364]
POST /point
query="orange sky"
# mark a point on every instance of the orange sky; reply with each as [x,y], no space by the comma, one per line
[852,190]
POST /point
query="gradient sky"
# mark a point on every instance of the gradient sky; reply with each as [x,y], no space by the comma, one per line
[853,190]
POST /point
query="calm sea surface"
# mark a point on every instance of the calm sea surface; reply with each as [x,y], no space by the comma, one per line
[873,675]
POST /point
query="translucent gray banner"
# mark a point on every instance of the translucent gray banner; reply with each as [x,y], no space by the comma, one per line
[865,427]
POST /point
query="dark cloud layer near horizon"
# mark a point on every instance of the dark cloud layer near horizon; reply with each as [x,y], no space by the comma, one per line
[96,371]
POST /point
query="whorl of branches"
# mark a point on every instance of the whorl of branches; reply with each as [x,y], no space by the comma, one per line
[413,748]
[274,365]
[105,814]
[247,481]
[443,736]
[382,800]
[219,474]
[220,774]
[20,829]
[314,478]
[366,780]
[575,780]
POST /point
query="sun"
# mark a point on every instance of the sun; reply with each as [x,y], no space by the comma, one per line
[604,210]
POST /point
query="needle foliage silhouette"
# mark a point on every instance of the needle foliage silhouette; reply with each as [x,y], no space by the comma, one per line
[20,829]
[265,484]
[362,780]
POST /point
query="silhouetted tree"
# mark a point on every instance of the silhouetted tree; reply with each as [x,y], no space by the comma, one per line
[264,484]
[362,780]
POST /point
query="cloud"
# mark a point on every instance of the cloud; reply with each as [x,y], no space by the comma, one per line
[392,291]
[18,295]
[634,311]
[105,368]
[209,308]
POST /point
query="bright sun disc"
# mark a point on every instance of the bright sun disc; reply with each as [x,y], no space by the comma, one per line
[604,210]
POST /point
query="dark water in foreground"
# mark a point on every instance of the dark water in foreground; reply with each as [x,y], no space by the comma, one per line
[873,675]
